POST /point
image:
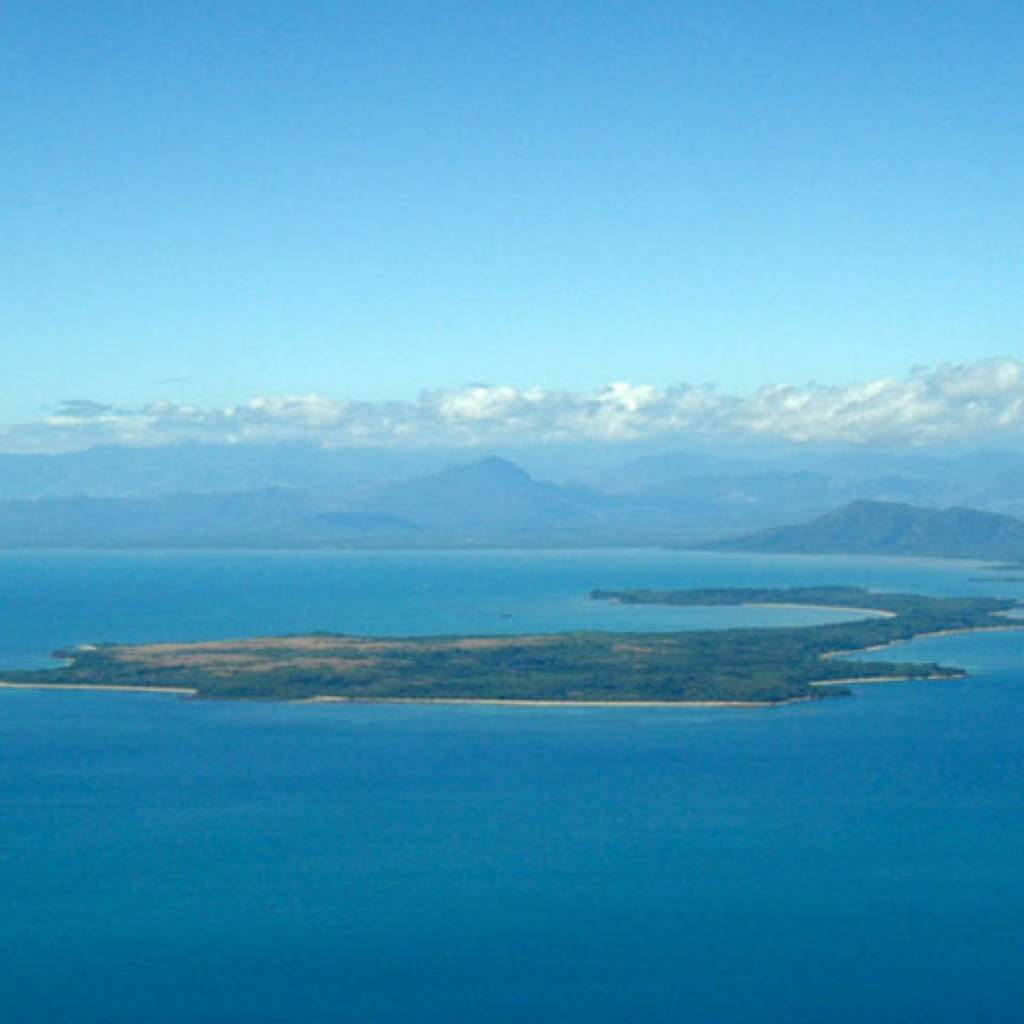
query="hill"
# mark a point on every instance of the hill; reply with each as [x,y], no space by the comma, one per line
[891,528]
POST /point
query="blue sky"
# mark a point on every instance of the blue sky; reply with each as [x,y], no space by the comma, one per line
[212,202]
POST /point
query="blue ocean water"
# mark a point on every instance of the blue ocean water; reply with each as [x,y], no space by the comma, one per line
[165,860]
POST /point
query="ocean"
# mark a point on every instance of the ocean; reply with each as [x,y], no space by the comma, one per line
[162,860]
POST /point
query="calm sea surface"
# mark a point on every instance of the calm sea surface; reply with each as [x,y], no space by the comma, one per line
[164,860]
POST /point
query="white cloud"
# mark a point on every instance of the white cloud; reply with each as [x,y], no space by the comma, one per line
[977,402]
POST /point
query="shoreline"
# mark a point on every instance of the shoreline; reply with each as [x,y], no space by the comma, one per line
[110,687]
[491,701]
[924,636]
[862,680]
[526,702]
[871,613]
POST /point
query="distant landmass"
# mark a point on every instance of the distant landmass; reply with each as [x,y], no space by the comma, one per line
[891,528]
[293,495]
[489,502]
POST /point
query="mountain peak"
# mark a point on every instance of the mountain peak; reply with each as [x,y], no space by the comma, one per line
[492,469]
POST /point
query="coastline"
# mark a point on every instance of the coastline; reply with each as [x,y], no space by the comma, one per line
[871,613]
[924,636]
[111,687]
[520,702]
[862,680]
[490,701]
[879,613]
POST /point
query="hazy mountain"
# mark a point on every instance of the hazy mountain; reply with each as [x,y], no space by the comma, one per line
[579,494]
[493,500]
[254,518]
[803,481]
[121,472]
[488,502]
[723,486]
[885,528]
[486,497]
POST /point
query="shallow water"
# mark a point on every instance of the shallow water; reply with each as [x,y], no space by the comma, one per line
[166,860]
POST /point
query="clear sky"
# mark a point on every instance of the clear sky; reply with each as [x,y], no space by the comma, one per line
[207,202]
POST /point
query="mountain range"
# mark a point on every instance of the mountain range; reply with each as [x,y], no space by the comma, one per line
[888,528]
[728,486]
[490,502]
[303,496]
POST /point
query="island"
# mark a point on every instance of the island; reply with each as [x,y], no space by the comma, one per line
[741,666]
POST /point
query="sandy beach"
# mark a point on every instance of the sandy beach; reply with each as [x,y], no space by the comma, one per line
[861,680]
[182,690]
[518,702]
[492,701]
[873,613]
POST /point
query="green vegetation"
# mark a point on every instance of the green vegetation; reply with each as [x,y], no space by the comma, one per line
[746,665]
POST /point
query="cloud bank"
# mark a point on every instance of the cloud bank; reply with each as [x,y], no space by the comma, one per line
[979,402]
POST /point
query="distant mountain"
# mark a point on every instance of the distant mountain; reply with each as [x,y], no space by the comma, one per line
[266,518]
[494,501]
[304,496]
[648,493]
[490,502]
[488,498]
[124,472]
[889,528]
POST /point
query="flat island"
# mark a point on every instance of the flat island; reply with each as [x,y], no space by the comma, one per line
[730,666]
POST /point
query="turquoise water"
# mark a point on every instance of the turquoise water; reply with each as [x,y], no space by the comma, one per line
[165,860]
